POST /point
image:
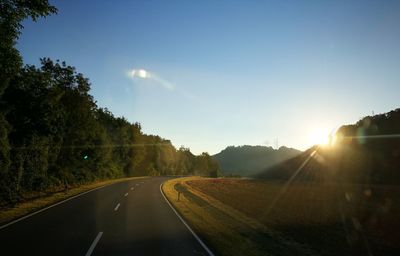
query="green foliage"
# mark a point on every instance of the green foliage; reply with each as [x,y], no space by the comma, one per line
[204,165]
[4,157]
[12,13]
[59,136]
[53,134]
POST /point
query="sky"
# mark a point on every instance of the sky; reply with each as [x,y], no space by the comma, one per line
[221,73]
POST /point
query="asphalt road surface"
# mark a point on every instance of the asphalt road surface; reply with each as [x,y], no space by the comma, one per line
[129,218]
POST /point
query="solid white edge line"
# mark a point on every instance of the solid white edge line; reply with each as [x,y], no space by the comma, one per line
[184,222]
[116,207]
[96,240]
[48,207]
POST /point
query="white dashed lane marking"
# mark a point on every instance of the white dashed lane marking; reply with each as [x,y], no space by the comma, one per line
[96,240]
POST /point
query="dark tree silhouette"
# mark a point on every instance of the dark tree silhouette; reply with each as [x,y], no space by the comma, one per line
[250,160]
[53,134]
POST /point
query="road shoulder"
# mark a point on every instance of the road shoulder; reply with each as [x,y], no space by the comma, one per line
[225,229]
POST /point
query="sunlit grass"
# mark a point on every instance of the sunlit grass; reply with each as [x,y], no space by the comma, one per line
[317,217]
[227,230]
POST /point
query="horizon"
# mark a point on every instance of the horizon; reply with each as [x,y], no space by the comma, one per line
[226,127]
[249,74]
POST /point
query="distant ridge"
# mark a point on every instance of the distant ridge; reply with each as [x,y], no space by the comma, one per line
[249,160]
[367,152]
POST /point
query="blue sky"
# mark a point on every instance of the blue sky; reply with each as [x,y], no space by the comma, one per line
[241,72]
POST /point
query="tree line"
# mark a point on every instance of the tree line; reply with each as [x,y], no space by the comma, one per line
[52,133]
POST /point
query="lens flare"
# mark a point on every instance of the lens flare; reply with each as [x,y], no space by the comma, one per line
[144,74]
[141,73]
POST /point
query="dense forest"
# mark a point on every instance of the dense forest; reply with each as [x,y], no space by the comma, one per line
[53,134]
[250,160]
[367,152]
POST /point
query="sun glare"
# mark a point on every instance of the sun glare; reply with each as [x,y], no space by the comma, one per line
[319,136]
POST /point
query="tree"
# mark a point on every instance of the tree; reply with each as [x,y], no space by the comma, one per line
[206,166]
[53,133]
[12,13]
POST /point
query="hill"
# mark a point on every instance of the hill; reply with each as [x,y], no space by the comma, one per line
[367,152]
[249,160]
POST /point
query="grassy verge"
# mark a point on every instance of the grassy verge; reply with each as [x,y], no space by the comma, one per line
[8,214]
[226,230]
[245,217]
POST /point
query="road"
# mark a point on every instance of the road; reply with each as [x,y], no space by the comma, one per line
[129,218]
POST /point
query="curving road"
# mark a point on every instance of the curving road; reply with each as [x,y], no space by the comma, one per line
[129,218]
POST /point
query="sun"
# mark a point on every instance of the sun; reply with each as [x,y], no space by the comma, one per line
[319,136]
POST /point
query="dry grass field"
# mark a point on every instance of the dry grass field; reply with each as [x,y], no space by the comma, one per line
[302,217]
